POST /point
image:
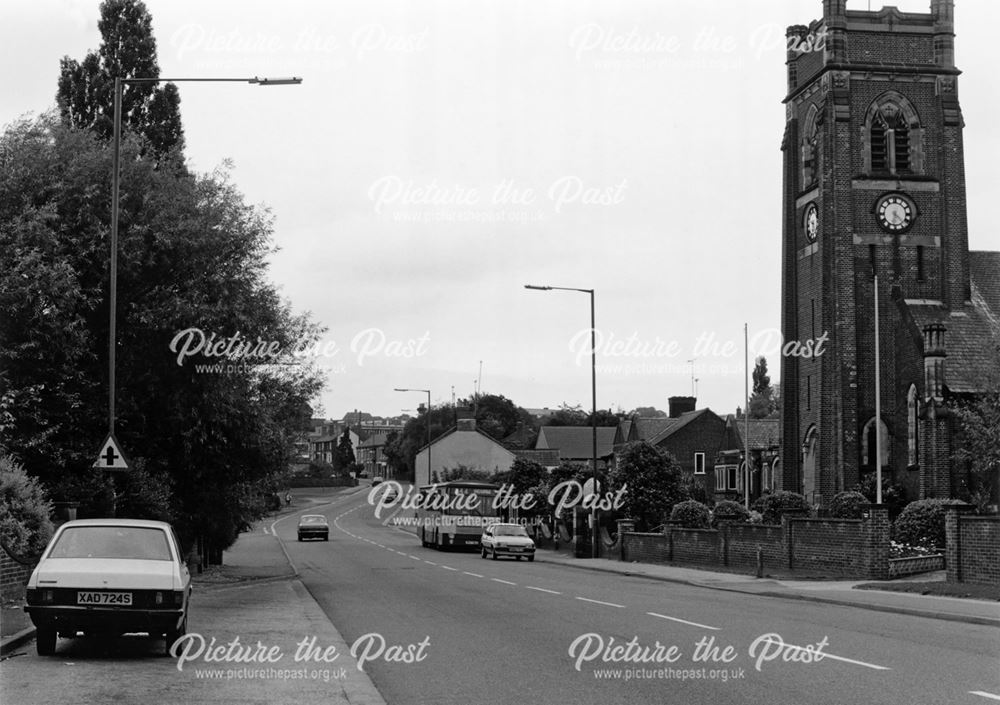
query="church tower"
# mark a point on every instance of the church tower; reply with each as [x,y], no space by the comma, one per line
[873,184]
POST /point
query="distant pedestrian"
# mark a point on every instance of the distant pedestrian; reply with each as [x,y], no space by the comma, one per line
[288,498]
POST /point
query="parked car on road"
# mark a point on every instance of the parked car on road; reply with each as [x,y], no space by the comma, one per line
[109,577]
[507,540]
[313,526]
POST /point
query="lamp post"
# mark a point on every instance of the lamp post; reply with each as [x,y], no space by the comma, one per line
[428,393]
[595,548]
[115,179]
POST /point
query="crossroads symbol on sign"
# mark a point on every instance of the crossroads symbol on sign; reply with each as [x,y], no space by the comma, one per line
[110,457]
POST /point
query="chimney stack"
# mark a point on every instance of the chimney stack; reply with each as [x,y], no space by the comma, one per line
[680,405]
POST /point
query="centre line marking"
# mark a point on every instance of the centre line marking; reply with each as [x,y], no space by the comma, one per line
[682,621]
[416,558]
[448,567]
[599,602]
[858,663]
[429,562]
[474,575]
[505,582]
[551,592]
[983,694]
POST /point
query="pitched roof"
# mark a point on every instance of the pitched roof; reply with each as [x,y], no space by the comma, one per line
[763,432]
[646,427]
[575,442]
[547,457]
[984,268]
[972,333]
[676,424]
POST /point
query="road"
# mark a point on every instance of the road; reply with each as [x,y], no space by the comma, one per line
[502,632]
[450,627]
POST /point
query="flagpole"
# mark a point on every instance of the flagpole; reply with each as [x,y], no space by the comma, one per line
[878,409]
[746,416]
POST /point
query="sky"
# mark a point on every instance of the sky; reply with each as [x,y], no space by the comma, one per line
[440,155]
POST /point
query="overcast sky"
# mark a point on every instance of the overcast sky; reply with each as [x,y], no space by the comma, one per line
[440,155]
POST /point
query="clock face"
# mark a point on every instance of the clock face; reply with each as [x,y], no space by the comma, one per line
[895,213]
[811,221]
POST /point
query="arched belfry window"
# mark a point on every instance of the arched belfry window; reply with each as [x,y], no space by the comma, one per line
[893,139]
[869,443]
[809,148]
[911,426]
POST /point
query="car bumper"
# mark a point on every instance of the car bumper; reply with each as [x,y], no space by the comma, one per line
[314,534]
[509,551]
[70,618]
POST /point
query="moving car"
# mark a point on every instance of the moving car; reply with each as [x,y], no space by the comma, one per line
[507,540]
[109,576]
[313,526]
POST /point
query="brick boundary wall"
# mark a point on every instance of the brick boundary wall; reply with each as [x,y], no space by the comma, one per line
[972,547]
[838,547]
[13,576]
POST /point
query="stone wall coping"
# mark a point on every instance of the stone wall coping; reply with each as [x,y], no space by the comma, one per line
[979,517]
[826,519]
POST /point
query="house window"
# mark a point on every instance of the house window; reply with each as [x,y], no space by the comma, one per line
[893,137]
[733,475]
[720,478]
[699,463]
[911,426]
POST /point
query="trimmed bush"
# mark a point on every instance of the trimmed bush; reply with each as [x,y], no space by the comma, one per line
[728,510]
[847,505]
[921,523]
[771,505]
[691,514]
[25,527]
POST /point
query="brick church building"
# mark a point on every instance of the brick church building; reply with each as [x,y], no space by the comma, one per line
[874,185]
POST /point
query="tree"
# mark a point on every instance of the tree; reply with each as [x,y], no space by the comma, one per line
[652,479]
[978,448]
[128,50]
[575,416]
[762,403]
[25,527]
[343,459]
[648,412]
[192,256]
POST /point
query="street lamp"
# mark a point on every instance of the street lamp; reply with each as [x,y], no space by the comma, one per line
[428,393]
[593,392]
[115,179]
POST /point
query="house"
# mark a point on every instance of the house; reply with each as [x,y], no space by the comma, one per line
[324,446]
[462,446]
[765,458]
[576,443]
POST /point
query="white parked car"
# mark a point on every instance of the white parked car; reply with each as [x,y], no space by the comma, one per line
[109,576]
[507,540]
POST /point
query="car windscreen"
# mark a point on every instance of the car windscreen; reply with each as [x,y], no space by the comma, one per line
[112,542]
[509,531]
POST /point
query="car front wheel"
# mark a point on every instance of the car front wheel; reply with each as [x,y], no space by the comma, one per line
[494,556]
[483,552]
[45,638]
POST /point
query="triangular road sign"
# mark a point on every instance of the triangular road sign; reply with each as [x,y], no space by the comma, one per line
[110,456]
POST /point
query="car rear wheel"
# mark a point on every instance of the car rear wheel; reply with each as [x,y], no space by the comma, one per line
[175,634]
[45,638]
[530,559]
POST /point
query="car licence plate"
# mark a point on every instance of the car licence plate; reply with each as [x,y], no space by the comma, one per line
[516,548]
[104,598]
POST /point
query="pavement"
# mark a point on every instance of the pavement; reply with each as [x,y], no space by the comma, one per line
[836,592]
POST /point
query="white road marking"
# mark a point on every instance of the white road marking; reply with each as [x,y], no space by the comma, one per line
[551,592]
[859,663]
[429,562]
[983,694]
[474,575]
[505,582]
[416,558]
[599,602]
[447,567]
[682,621]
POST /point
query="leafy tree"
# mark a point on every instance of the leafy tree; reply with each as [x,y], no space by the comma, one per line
[691,514]
[128,50]
[978,448]
[25,527]
[575,416]
[401,449]
[344,457]
[762,403]
[192,255]
[648,412]
[653,480]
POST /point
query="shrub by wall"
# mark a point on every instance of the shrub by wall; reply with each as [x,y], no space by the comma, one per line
[921,523]
[847,505]
[728,510]
[691,514]
[771,505]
